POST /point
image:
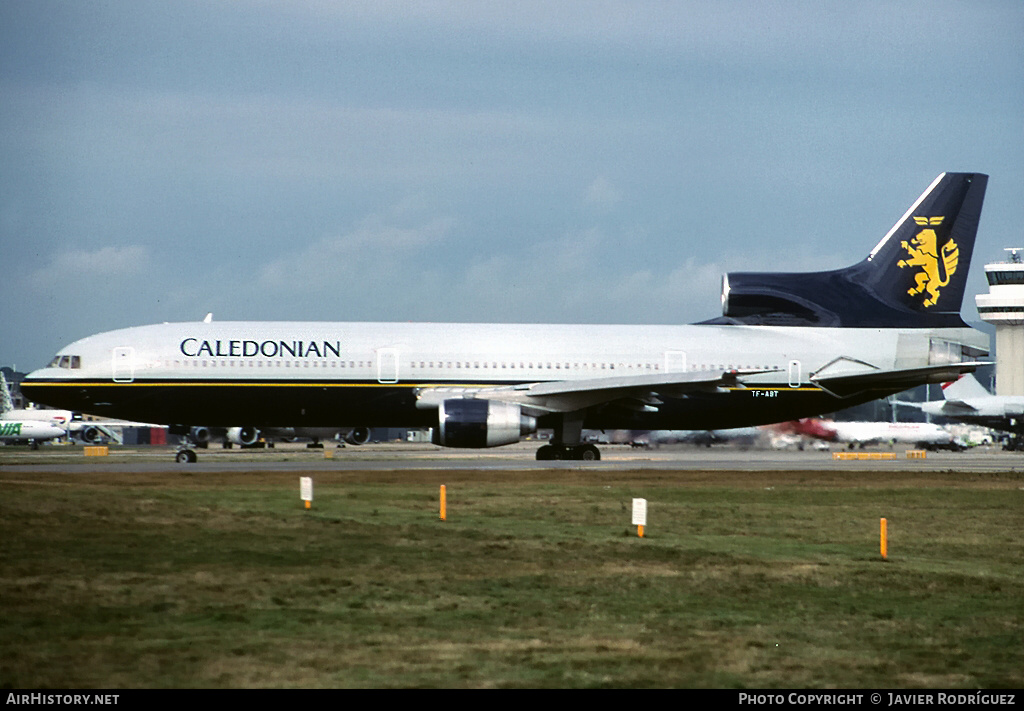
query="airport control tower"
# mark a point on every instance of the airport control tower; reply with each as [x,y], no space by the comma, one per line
[1003,306]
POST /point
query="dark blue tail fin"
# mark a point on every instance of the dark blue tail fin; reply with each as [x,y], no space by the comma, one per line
[914,278]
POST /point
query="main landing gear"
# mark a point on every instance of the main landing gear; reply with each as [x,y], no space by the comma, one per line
[559,452]
[565,444]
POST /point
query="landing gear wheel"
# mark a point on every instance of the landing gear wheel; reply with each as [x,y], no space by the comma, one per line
[185,456]
[546,453]
[588,453]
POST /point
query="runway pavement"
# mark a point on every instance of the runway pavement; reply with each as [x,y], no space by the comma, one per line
[412,456]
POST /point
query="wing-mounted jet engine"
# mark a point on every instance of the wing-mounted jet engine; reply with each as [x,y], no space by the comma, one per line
[90,434]
[475,424]
[243,436]
[357,435]
[200,435]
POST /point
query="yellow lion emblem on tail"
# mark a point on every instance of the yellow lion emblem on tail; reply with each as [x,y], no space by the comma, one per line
[936,269]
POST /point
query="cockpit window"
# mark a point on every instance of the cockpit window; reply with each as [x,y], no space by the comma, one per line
[68,362]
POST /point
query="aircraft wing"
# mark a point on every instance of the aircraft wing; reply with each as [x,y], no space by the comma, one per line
[846,377]
[638,391]
[76,424]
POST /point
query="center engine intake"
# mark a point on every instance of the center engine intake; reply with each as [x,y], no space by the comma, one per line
[475,424]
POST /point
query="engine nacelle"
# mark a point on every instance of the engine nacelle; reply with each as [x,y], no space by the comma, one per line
[244,436]
[475,424]
[199,435]
[360,435]
[90,434]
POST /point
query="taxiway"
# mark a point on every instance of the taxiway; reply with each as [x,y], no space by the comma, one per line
[520,457]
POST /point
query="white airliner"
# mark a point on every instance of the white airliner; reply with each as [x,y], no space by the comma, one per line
[922,434]
[787,346]
[73,427]
[30,425]
[60,418]
[967,400]
[31,431]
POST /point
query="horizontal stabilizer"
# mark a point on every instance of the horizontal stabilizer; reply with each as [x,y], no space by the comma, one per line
[957,407]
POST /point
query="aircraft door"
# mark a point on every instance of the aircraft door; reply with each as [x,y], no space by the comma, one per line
[123,365]
[794,373]
[387,365]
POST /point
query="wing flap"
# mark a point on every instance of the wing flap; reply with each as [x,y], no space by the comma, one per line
[571,395]
[652,382]
[847,381]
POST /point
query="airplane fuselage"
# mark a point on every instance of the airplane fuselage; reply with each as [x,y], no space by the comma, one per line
[373,374]
[903,432]
[997,412]
[28,430]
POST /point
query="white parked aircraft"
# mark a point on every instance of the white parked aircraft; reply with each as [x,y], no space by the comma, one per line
[73,427]
[920,434]
[31,431]
[967,400]
[33,425]
[60,418]
[787,346]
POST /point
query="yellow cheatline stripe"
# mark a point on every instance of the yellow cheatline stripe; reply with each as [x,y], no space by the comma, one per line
[780,388]
[338,384]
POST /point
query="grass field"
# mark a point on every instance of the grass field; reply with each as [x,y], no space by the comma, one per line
[537,579]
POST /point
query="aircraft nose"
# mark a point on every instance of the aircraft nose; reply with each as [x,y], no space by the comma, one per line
[37,374]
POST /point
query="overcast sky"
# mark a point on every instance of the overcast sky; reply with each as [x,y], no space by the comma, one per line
[596,162]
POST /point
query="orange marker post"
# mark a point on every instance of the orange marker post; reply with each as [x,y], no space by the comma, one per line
[306,491]
[640,516]
[885,539]
[444,503]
